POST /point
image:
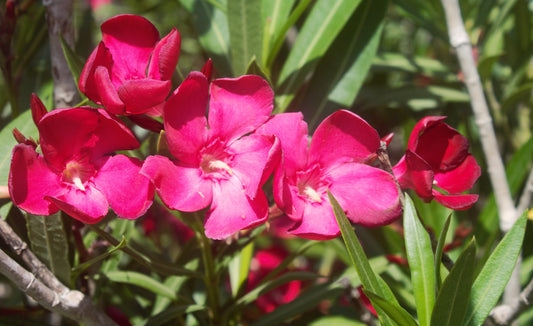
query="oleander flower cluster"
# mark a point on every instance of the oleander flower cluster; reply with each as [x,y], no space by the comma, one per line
[224,144]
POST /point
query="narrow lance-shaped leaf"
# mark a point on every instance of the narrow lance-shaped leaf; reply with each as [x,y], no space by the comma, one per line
[318,32]
[344,67]
[491,281]
[141,280]
[211,25]
[420,257]
[239,267]
[400,316]
[439,250]
[49,243]
[452,300]
[274,14]
[370,280]
[245,29]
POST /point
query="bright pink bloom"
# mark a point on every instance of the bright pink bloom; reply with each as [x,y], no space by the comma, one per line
[76,172]
[336,159]
[437,155]
[216,160]
[264,262]
[130,70]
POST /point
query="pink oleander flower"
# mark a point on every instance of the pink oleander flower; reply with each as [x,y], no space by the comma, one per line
[437,165]
[264,262]
[337,159]
[216,161]
[129,72]
[76,172]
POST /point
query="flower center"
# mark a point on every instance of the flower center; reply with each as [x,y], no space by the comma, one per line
[215,160]
[78,173]
[310,184]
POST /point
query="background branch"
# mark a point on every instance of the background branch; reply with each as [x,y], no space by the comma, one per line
[59,19]
[43,286]
[508,213]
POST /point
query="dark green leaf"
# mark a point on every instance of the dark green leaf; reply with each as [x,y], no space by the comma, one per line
[172,313]
[343,69]
[49,243]
[421,262]
[399,315]
[73,60]
[370,280]
[452,300]
[211,25]
[245,30]
[439,250]
[81,267]
[141,280]
[491,281]
[306,301]
[320,28]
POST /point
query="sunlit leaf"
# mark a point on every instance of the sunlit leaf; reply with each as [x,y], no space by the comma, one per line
[452,300]
[49,242]
[439,250]
[421,262]
[400,316]
[141,280]
[491,281]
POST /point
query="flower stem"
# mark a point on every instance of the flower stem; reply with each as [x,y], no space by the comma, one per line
[210,277]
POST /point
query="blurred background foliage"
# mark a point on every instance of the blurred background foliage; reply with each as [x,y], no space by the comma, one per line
[388,61]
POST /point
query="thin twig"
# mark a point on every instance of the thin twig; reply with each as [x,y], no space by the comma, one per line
[461,43]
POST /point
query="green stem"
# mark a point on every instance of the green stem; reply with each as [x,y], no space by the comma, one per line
[210,277]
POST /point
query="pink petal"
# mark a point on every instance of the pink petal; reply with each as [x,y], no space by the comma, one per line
[165,57]
[30,180]
[456,202]
[343,137]
[129,193]
[180,188]
[63,132]
[38,110]
[107,93]
[87,84]
[419,128]
[140,95]
[131,40]
[368,195]
[239,105]
[421,175]
[232,211]
[318,222]
[291,130]
[249,161]
[461,178]
[111,135]
[442,147]
[184,118]
[88,206]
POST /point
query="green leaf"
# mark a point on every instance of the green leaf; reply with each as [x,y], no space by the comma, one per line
[304,302]
[239,267]
[77,270]
[321,27]
[211,25]
[49,242]
[387,61]
[337,321]
[370,280]
[491,281]
[421,262]
[274,14]
[245,31]
[24,123]
[73,60]
[141,280]
[452,300]
[343,69]
[439,250]
[400,316]
[172,313]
